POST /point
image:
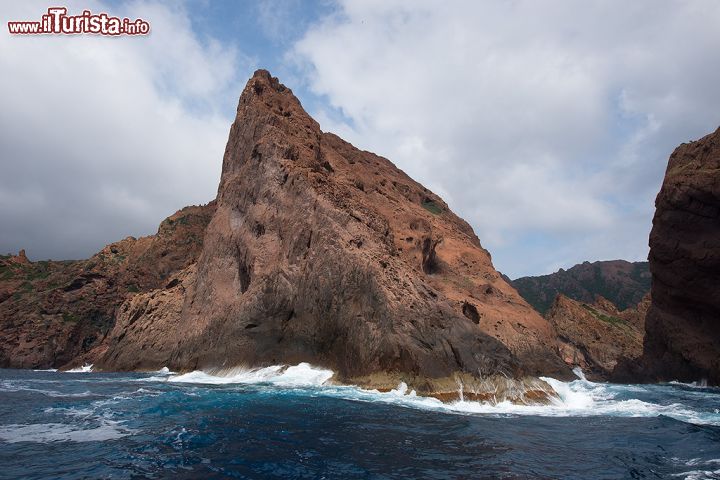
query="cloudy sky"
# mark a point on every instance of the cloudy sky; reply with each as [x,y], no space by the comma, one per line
[546,124]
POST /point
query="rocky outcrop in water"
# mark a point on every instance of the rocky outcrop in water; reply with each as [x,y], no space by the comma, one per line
[319,252]
[54,313]
[683,324]
[622,283]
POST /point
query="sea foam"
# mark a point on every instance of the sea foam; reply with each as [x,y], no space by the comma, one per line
[87,368]
[61,432]
[577,398]
[301,375]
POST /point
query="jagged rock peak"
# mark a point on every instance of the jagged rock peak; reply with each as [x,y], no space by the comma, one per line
[319,252]
[269,113]
[21,258]
[265,93]
[262,79]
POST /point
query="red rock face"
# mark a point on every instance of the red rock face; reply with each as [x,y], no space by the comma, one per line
[323,253]
[54,313]
[683,324]
[597,336]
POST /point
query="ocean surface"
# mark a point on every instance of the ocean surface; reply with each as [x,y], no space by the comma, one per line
[284,423]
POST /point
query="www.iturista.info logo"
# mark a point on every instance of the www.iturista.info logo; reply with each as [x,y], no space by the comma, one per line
[57,21]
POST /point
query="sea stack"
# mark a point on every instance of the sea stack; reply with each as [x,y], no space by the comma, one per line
[682,339]
[319,252]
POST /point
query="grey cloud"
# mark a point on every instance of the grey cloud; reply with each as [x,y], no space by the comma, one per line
[101,138]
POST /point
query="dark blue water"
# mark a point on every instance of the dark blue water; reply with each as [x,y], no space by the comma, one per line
[87,425]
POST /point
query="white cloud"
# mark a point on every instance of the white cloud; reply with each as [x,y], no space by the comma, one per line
[103,137]
[547,125]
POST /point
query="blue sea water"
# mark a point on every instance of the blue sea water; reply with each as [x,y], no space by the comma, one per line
[288,423]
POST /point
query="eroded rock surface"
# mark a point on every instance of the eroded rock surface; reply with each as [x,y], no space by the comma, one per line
[597,336]
[54,313]
[683,324]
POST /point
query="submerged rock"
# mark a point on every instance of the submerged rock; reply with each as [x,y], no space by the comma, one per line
[464,387]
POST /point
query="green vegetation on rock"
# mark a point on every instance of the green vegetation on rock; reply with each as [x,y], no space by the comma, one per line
[611,319]
[432,207]
[623,283]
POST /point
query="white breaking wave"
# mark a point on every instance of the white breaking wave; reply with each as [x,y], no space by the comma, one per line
[579,373]
[707,469]
[700,384]
[159,376]
[699,475]
[87,368]
[577,398]
[301,375]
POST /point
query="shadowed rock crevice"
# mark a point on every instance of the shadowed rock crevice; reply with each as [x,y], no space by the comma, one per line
[244,275]
[430,261]
[470,311]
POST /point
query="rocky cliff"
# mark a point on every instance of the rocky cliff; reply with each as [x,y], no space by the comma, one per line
[622,283]
[683,323]
[597,336]
[320,252]
[53,313]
